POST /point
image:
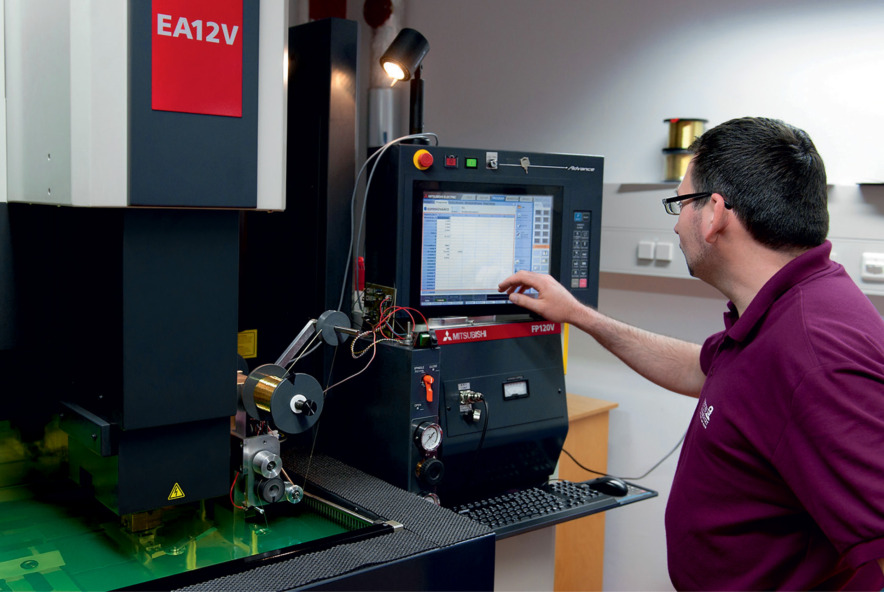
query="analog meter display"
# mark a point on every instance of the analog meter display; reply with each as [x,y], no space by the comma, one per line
[428,436]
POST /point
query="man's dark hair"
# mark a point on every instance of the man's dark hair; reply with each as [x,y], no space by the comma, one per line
[772,175]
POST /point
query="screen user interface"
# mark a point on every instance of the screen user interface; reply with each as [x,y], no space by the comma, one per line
[472,241]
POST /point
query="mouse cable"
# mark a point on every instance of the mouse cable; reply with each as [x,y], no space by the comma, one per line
[645,474]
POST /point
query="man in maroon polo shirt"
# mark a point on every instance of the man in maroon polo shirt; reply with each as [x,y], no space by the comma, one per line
[780,483]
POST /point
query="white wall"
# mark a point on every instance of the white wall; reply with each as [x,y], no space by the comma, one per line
[599,77]
[2,104]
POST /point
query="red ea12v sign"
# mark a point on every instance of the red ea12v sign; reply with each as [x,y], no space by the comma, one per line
[196,51]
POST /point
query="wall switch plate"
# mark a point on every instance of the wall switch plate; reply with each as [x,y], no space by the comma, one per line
[646,250]
[663,252]
[872,267]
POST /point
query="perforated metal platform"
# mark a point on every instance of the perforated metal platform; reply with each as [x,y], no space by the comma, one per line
[427,530]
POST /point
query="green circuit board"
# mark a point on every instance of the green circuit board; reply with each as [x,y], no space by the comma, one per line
[55,536]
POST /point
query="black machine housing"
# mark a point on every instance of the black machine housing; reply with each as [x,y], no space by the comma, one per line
[500,401]
[375,424]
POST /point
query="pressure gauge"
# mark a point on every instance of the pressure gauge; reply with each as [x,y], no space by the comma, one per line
[428,436]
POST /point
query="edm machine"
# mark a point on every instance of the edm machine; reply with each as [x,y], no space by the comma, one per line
[463,401]
[154,241]
[188,400]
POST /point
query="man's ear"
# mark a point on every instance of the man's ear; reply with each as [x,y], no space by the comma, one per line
[716,218]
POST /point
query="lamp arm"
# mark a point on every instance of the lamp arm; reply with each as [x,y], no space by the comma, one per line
[416,103]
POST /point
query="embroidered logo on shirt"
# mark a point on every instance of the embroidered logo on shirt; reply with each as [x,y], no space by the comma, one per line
[705,413]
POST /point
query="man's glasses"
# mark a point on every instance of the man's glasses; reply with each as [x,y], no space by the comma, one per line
[675,203]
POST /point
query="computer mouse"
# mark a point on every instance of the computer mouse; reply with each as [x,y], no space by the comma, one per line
[609,485]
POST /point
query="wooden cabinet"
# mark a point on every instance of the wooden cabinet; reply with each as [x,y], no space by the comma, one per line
[580,544]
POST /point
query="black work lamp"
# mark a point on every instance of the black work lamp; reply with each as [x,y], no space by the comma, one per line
[402,61]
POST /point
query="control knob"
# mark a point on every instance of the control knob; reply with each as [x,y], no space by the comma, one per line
[430,471]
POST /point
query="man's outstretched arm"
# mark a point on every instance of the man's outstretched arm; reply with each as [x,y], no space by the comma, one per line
[668,362]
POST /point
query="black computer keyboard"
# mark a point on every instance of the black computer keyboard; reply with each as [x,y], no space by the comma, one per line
[537,507]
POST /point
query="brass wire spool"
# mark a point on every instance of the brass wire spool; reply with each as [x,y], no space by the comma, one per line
[682,133]
[268,395]
[263,392]
[677,160]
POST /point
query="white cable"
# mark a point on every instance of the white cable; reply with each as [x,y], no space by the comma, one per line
[351,256]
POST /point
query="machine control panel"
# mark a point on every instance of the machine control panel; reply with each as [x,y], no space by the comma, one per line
[427,469]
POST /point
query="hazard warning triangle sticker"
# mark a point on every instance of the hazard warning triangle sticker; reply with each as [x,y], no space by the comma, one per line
[177,492]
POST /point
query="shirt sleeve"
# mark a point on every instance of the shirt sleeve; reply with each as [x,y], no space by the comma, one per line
[831,454]
[707,352]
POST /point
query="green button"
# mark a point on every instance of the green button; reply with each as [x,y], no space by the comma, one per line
[472,163]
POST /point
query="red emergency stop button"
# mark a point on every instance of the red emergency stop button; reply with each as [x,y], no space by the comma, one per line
[423,160]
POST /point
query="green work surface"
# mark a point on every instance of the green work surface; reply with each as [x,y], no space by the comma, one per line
[56,536]
[67,541]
